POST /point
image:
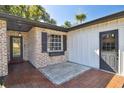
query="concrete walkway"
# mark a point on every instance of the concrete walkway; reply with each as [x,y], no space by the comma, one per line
[62,72]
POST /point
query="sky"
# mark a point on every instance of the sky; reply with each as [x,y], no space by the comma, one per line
[62,13]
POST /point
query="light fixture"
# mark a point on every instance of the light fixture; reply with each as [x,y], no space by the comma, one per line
[19,26]
[19,34]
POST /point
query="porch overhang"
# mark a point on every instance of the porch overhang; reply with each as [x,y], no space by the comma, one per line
[16,23]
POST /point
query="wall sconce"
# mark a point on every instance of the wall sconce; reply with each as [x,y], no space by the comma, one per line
[19,34]
[19,26]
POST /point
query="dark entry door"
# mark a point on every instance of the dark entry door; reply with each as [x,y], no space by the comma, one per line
[16,49]
[109,51]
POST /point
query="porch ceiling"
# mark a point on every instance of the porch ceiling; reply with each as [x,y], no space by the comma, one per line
[18,26]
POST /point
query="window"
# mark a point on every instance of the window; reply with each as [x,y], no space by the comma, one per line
[55,43]
[108,43]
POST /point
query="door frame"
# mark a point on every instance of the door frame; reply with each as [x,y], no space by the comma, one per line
[117,46]
[11,47]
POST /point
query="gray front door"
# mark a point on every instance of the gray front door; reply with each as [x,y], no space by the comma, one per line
[109,51]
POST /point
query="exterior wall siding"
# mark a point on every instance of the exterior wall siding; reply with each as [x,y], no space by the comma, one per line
[83,43]
[3,49]
[25,43]
[36,57]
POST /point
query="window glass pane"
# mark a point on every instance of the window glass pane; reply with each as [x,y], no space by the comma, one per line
[113,46]
[59,48]
[59,40]
[108,42]
[16,47]
[54,42]
[59,44]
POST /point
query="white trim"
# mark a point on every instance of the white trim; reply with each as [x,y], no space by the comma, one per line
[119,61]
[50,42]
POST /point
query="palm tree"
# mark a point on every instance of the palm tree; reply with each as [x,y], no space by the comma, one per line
[80,17]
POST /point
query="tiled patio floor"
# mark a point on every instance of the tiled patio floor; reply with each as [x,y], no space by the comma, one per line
[25,75]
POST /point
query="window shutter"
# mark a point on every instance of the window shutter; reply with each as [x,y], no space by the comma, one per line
[64,42]
[44,42]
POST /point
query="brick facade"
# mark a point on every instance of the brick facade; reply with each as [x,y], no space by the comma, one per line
[3,49]
[36,57]
[32,47]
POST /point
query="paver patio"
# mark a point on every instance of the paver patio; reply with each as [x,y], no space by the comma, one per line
[25,75]
[63,72]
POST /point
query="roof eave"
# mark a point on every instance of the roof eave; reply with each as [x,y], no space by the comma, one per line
[99,20]
[7,17]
